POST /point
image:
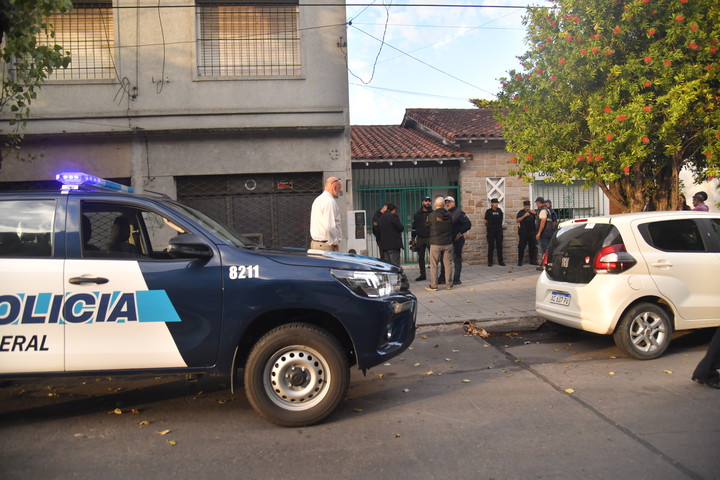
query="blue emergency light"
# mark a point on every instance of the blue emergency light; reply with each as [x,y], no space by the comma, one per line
[73,181]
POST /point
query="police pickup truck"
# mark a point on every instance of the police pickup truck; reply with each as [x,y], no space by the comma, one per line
[97,279]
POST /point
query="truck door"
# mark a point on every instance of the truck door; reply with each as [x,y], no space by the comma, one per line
[128,304]
[31,266]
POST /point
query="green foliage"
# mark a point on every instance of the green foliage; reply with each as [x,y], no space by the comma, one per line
[621,93]
[26,63]
[482,103]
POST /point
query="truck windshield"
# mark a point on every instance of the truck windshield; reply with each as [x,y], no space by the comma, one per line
[228,236]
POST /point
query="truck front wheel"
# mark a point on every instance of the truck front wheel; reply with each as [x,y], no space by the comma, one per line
[296,375]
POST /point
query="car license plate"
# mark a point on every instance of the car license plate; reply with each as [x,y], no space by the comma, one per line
[560,298]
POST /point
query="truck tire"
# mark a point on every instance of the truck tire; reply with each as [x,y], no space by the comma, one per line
[644,331]
[296,375]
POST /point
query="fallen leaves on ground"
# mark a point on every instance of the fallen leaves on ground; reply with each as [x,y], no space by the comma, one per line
[569,390]
[472,329]
[164,432]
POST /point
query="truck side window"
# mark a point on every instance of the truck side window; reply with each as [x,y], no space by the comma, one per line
[26,228]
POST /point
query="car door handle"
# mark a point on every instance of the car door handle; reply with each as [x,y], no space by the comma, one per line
[82,280]
[662,264]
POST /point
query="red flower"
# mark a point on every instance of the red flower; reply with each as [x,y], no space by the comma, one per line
[553,23]
[538,71]
[553,78]
[626,169]
[583,51]
[645,139]
[693,46]
[713,49]
[609,52]
[598,158]
[562,61]
[683,1]
[594,49]
[648,83]
[576,19]
[608,137]
[528,156]
[679,18]
[568,38]
[581,158]
[617,30]
[524,109]
[645,1]
[648,59]
[708,154]
[717,134]
[651,32]
[621,118]
[667,63]
[694,27]
[607,109]
[647,108]
[513,160]
[589,158]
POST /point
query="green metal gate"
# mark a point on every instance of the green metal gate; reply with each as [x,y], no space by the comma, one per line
[408,201]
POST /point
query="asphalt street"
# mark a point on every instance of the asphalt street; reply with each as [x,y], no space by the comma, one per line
[543,404]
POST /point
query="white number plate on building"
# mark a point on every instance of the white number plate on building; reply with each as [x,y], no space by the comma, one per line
[560,298]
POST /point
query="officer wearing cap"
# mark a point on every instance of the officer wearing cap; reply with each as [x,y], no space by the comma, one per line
[544,230]
[420,236]
[461,224]
[494,222]
[525,219]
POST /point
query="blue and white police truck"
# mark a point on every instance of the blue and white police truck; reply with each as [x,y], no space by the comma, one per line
[97,279]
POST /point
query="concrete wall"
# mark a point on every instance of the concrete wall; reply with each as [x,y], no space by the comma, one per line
[490,160]
[159,118]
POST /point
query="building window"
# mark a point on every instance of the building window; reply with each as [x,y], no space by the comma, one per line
[87,33]
[240,38]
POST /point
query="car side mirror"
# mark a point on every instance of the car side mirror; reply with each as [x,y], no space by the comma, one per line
[188,245]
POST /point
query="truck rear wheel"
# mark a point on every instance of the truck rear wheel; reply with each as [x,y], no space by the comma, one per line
[296,375]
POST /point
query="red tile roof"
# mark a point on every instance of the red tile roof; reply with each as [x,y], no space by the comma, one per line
[455,123]
[393,142]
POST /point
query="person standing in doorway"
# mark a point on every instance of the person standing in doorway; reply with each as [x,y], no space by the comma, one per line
[526,231]
[376,230]
[390,235]
[420,235]
[325,219]
[461,224]
[494,222]
[439,223]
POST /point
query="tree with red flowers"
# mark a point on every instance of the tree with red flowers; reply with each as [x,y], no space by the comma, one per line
[620,93]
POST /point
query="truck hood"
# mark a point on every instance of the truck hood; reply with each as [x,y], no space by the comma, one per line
[320,258]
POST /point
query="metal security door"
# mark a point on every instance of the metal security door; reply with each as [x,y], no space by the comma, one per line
[273,209]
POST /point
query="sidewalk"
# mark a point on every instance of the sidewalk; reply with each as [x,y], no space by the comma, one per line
[498,298]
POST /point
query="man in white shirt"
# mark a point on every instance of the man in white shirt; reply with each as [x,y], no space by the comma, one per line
[325,219]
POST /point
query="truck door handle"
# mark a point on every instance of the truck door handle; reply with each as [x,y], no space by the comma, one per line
[82,280]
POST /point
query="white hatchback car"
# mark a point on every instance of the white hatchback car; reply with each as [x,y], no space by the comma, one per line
[638,276]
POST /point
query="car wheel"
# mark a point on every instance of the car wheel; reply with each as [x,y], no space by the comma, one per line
[296,375]
[644,331]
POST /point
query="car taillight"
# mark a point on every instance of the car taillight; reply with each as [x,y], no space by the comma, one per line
[544,259]
[613,259]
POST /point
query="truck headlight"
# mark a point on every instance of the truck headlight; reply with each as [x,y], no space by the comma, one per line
[369,284]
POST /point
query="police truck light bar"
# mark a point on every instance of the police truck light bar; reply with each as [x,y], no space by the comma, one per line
[73,180]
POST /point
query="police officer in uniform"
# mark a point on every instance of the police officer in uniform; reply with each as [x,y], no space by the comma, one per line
[494,221]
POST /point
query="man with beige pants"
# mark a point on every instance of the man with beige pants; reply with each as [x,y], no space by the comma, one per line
[325,218]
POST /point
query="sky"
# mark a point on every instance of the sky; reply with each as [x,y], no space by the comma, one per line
[433,57]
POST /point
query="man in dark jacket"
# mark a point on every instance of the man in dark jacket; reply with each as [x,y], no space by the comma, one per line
[376,230]
[390,230]
[421,234]
[439,223]
[525,219]
[461,224]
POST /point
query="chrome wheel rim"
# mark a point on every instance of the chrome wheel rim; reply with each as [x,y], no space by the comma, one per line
[648,332]
[296,378]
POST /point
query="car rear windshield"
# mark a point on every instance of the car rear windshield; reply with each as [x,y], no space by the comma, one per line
[572,251]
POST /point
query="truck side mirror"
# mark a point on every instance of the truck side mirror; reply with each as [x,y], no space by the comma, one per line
[188,245]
